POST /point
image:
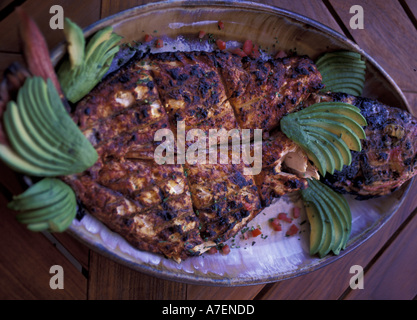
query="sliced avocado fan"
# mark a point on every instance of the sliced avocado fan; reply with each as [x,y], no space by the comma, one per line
[342,71]
[86,65]
[329,216]
[326,131]
[44,140]
[48,205]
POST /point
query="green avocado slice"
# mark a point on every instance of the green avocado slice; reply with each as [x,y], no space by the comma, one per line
[316,220]
[343,209]
[328,226]
[335,152]
[36,131]
[49,204]
[340,118]
[23,143]
[334,213]
[325,152]
[337,128]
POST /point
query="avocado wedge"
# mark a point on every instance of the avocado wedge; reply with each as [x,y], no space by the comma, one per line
[342,71]
[337,128]
[336,154]
[339,108]
[48,205]
[44,139]
[341,118]
[335,140]
[318,230]
[329,217]
[86,64]
[326,132]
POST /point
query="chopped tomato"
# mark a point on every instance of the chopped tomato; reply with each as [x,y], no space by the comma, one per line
[245,235]
[239,52]
[159,43]
[292,230]
[280,54]
[248,206]
[201,34]
[247,47]
[255,53]
[296,212]
[148,38]
[283,216]
[221,44]
[276,224]
[212,250]
[256,233]
[220,25]
[225,250]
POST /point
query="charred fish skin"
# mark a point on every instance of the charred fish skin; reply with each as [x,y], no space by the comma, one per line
[263,91]
[389,153]
[181,210]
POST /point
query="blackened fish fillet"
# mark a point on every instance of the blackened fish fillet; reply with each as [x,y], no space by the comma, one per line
[180,210]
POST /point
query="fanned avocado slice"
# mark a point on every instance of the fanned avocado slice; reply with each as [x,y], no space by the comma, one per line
[346,109]
[330,162]
[337,127]
[56,148]
[336,141]
[324,204]
[342,71]
[316,219]
[341,118]
[86,65]
[342,207]
[48,205]
[337,224]
[335,152]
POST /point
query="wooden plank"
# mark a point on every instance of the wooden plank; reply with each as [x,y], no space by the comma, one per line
[412,6]
[81,12]
[386,37]
[393,276]
[25,261]
[330,282]
[314,9]
[78,250]
[111,280]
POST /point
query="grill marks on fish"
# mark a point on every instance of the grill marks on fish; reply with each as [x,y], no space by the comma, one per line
[389,152]
[182,210]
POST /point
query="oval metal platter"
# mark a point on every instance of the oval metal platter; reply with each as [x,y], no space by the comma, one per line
[271,257]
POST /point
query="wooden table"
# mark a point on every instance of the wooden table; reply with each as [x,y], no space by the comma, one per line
[389,257]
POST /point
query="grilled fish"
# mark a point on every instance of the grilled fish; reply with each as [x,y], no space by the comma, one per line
[181,210]
[389,153]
